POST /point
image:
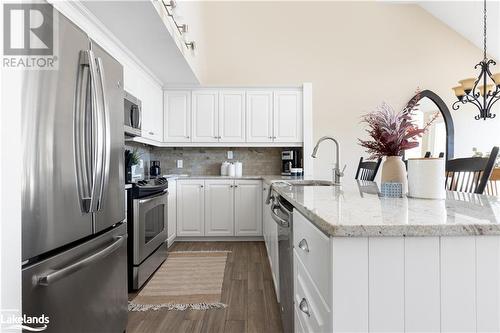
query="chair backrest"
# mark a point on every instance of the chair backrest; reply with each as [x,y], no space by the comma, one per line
[367,170]
[441,155]
[427,154]
[470,174]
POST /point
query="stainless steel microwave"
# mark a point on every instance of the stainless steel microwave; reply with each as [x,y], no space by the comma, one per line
[132,115]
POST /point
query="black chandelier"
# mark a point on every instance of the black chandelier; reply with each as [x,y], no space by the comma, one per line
[485,95]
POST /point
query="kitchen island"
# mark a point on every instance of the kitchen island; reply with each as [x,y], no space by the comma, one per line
[364,263]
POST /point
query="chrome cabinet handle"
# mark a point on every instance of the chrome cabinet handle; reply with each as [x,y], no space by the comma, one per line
[303,245]
[54,275]
[216,137]
[304,307]
[201,186]
[151,133]
[187,137]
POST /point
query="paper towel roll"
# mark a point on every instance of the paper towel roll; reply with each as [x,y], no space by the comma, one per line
[426,178]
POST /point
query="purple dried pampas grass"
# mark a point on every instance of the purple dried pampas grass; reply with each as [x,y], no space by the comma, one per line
[392,132]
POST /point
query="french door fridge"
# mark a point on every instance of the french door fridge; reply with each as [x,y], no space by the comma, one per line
[73,230]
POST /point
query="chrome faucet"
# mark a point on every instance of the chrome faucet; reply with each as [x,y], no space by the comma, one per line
[337,173]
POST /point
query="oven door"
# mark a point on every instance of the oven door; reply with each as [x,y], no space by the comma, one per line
[150,225]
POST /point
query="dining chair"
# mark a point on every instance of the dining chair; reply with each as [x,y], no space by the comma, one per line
[470,174]
[367,170]
[427,154]
[441,155]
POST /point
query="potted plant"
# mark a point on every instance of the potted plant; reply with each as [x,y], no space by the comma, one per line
[131,159]
[391,133]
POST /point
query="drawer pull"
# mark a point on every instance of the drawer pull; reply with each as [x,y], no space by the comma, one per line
[303,245]
[304,307]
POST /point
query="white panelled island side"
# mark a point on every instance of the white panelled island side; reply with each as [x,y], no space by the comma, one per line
[365,263]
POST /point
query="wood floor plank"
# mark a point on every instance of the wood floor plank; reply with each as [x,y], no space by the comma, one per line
[256,321]
[237,306]
[247,289]
[235,326]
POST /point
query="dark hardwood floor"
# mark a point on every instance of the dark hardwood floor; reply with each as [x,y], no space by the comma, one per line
[247,289]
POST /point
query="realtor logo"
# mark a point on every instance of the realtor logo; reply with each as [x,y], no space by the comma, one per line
[29,36]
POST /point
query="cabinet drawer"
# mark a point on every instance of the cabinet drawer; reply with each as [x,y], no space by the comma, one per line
[313,249]
[318,317]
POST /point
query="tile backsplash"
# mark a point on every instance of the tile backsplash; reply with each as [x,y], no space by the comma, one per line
[207,161]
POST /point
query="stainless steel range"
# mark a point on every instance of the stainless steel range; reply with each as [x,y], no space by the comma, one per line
[147,229]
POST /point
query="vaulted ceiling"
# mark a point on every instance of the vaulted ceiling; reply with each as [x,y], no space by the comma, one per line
[466,18]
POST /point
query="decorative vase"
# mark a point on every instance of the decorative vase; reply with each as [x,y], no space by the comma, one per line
[394,170]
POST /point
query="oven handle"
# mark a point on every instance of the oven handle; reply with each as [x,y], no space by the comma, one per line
[143,201]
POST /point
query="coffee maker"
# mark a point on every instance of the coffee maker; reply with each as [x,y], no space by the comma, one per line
[291,162]
[154,170]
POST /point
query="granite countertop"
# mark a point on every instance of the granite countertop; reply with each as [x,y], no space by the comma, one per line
[266,178]
[356,210]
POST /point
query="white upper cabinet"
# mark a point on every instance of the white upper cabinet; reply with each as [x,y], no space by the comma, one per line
[152,111]
[232,116]
[225,116]
[287,116]
[248,207]
[259,116]
[219,207]
[205,110]
[177,116]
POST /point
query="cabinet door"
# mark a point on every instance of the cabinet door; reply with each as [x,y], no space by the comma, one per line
[177,116]
[219,207]
[205,116]
[172,211]
[248,208]
[287,116]
[190,207]
[151,97]
[232,116]
[259,116]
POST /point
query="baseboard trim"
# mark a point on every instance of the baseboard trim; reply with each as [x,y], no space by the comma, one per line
[220,239]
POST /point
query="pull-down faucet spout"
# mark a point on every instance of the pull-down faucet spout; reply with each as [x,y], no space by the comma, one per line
[337,173]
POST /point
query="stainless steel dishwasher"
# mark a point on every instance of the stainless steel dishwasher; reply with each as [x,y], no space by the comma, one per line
[282,213]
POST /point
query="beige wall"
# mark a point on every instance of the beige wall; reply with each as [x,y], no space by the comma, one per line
[356,55]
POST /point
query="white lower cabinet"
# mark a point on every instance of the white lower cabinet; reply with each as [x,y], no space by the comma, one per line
[219,207]
[190,207]
[172,211]
[248,208]
[395,284]
[270,232]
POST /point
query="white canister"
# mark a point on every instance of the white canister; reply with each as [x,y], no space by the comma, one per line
[238,166]
[223,168]
[426,178]
[231,170]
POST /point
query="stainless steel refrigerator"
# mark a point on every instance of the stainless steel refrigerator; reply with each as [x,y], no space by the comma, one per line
[74,248]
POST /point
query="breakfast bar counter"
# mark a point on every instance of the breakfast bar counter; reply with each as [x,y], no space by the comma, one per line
[355,209]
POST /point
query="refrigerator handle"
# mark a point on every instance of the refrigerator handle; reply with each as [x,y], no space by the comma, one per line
[55,275]
[105,125]
[82,128]
[97,133]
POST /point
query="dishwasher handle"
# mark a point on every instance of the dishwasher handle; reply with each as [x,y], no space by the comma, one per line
[280,221]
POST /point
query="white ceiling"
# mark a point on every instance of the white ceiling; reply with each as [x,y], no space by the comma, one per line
[466,18]
[139,27]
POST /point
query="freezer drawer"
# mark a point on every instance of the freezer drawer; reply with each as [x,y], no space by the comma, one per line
[83,289]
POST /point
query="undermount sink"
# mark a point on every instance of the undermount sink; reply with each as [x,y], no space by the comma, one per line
[310,183]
